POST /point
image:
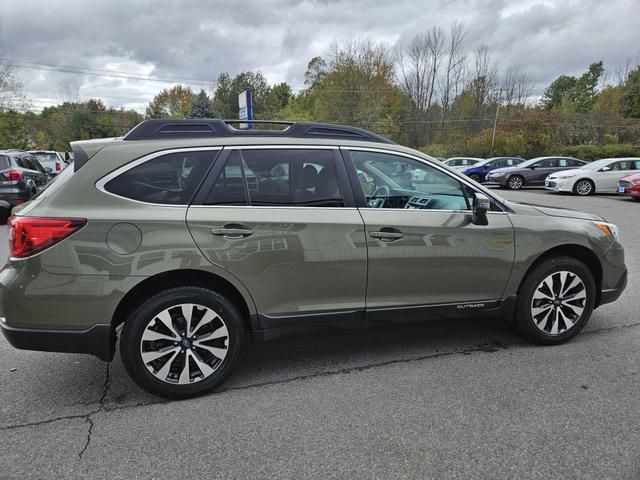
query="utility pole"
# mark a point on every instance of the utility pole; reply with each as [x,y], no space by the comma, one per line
[495,123]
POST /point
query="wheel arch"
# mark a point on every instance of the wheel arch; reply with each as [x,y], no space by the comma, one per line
[186,277]
[579,252]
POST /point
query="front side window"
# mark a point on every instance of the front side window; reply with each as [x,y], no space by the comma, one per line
[393,181]
[170,179]
[279,177]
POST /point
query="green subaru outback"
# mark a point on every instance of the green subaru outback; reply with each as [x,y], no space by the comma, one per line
[188,238]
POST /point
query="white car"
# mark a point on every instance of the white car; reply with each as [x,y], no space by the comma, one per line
[600,176]
[463,162]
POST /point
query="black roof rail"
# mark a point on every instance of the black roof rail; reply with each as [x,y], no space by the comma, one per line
[214,127]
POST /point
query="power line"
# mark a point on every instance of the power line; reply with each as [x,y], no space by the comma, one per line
[23,64]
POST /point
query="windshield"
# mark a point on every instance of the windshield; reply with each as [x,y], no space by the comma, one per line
[596,165]
[45,157]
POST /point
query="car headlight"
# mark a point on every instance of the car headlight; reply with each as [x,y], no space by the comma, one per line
[609,229]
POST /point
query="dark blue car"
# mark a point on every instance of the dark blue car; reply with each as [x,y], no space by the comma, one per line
[478,172]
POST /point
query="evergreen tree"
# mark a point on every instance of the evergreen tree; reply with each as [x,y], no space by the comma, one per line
[202,107]
[631,94]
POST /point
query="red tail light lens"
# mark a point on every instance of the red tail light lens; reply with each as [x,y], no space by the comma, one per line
[12,175]
[58,166]
[30,235]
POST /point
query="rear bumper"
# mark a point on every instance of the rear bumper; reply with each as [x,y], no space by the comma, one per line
[99,340]
[612,294]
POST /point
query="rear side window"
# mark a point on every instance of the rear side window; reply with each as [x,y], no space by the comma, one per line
[170,179]
[4,162]
[279,177]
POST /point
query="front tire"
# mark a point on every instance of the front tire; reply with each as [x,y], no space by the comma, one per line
[182,342]
[555,301]
[584,187]
[515,182]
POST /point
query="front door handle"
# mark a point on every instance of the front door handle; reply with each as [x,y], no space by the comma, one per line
[386,235]
[232,232]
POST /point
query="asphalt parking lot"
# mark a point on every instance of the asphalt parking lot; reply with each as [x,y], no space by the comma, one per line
[443,399]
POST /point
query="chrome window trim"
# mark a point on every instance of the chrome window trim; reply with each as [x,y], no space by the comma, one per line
[100,184]
[460,178]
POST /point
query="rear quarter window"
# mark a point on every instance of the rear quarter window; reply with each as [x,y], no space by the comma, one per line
[170,179]
[4,162]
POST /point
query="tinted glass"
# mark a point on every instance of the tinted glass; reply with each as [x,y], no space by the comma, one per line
[37,165]
[411,184]
[171,179]
[26,163]
[285,177]
[230,187]
[574,163]
[4,162]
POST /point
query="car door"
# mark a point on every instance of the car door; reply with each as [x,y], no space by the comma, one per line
[542,169]
[283,221]
[607,177]
[423,249]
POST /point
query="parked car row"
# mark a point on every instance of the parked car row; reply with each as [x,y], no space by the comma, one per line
[23,174]
[558,174]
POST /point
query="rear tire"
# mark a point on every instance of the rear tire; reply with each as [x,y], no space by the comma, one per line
[555,301]
[182,342]
[475,177]
[584,187]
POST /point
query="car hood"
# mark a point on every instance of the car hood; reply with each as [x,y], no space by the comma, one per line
[632,178]
[527,208]
[567,173]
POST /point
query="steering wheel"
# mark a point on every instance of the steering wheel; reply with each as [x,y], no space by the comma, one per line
[379,197]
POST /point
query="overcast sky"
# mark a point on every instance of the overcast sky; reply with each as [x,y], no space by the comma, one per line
[193,41]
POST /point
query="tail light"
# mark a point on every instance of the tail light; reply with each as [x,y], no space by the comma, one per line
[12,175]
[58,166]
[31,235]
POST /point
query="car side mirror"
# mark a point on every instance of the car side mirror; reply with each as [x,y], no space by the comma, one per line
[533,167]
[605,169]
[48,169]
[481,205]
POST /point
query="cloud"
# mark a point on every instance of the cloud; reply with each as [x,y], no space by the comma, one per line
[195,41]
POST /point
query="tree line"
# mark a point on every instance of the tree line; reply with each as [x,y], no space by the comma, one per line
[430,92]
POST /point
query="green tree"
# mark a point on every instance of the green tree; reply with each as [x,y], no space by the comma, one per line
[225,100]
[562,89]
[281,94]
[202,107]
[13,132]
[631,94]
[586,87]
[174,102]
[316,70]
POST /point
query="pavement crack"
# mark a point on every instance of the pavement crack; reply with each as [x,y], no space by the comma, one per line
[101,406]
[104,407]
[486,348]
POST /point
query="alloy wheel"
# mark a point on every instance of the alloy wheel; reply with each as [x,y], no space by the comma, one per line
[515,182]
[184,343]
[558,302]
[584,187]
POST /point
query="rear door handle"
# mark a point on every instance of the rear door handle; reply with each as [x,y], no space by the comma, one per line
[386,236]
[232,232]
